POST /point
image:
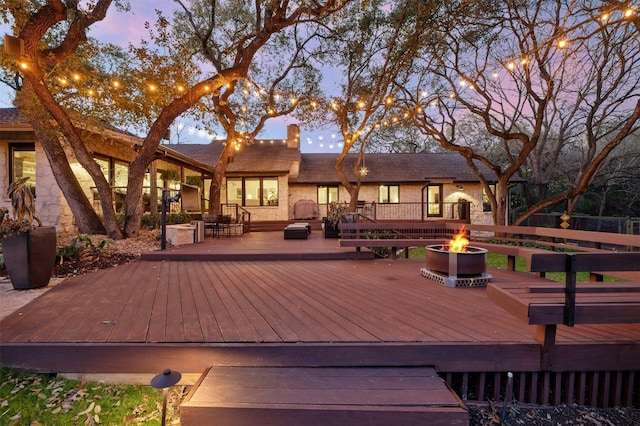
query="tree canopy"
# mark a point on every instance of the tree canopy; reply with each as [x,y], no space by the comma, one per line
[543,90]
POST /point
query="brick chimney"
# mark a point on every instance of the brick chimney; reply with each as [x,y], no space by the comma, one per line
[293,136]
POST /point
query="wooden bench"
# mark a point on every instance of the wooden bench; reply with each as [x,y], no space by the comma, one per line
[426,230]
[396,235]
[509,239]
[392,244]
[508,250]
[547,305]
[554,238]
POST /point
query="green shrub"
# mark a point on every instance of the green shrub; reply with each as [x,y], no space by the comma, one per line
[154,220]
[82,245]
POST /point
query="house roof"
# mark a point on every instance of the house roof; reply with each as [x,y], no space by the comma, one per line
[12,120]
[204,153]
[11,117]
[263,156]
[390,168]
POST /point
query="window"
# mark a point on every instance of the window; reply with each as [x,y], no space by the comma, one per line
[120,174]
[103,163]
[388,194]
[253,192]
[434,200]
[486,204]
[114,171]
[22,162]
[327,194]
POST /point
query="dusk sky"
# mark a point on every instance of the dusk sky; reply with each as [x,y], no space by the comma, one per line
[123,28]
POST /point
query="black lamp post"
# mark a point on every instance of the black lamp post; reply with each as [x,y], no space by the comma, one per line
[166,200]
[163,381]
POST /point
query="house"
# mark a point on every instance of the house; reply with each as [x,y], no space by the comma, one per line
[265,178]
[21,154]
[268,177]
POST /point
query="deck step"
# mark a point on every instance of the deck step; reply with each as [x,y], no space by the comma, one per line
[266,396]
[279,225]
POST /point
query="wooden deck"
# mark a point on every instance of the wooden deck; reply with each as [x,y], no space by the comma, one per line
[272,304]
[261,246]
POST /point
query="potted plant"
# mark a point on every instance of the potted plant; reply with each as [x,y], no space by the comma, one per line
[170,175]
[29,249]
[335,214]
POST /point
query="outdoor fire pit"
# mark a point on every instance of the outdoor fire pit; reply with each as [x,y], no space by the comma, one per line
[466,268]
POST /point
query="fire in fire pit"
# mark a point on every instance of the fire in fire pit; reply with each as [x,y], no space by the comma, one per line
[457,264]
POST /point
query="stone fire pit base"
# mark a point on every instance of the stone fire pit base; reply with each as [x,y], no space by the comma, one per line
[453,281]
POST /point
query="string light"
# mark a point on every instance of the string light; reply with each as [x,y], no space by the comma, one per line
[252,88]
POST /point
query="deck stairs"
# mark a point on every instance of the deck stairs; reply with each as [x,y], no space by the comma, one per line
[310,396]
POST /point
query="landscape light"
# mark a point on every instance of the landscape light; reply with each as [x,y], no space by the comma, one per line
[163,381]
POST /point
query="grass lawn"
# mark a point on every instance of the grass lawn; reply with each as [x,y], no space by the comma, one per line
[44,399]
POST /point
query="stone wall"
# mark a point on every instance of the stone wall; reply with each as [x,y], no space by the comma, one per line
[51,207]
[4,176]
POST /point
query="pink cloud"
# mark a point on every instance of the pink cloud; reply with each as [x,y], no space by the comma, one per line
[122,28]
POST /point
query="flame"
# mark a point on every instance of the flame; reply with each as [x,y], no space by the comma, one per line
[459,242]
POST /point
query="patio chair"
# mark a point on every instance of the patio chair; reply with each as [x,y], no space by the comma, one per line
[224,225]
[210,224]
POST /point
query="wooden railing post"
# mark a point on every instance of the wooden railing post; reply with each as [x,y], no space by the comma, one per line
[570,290]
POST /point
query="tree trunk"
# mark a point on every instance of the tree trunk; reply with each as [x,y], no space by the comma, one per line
[215,192]
[352,189]
[86,218]
[133,199]
[32,84]
[502,200]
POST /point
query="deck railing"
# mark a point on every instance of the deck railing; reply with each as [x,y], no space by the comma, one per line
[417,211]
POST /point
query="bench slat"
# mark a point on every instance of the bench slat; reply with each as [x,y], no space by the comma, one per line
[587,288]
[612,261]
[384,242]
[589,313]
[535,304]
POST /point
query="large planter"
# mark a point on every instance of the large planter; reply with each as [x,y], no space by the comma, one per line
[329,230]
[30,257]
